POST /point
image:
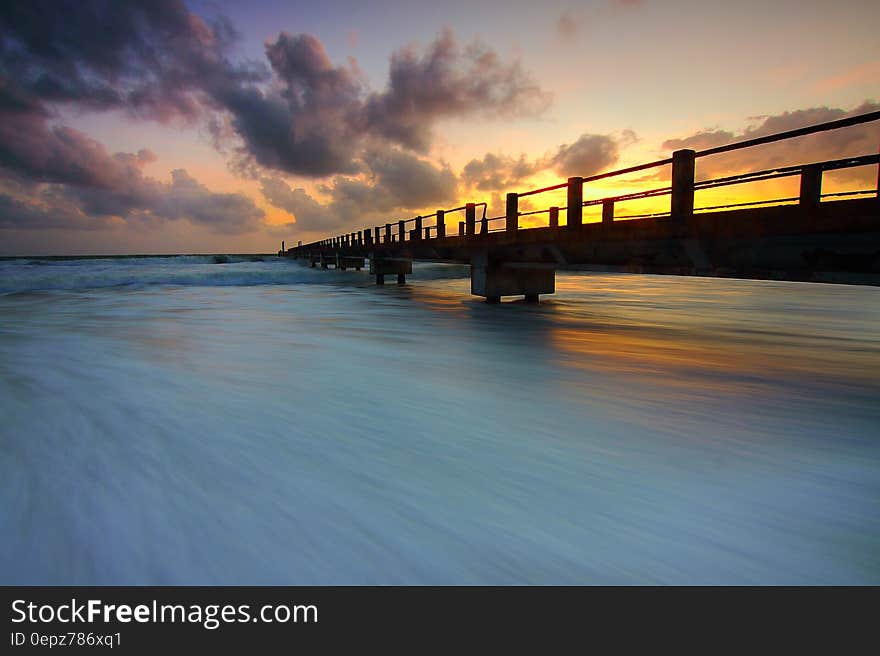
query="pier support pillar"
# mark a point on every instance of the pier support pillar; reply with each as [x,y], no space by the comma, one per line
[493,279]
[344,262]
[390,266]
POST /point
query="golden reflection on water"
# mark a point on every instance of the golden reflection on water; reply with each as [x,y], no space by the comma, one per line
[720,334]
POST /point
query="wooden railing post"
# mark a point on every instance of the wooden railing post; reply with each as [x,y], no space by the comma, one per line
[418,230]
[387,233]
[682,203]
[484,225]
[811,185]
[511,223]
[461,228]
[401,230]
[554,217]
[607,211]
[470,218]
[575,210]
[441,224]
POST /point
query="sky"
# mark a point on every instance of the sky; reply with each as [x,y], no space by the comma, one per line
[210,126]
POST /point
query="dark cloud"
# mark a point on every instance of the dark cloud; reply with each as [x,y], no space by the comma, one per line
[304,115]
[448,80]
[835,144]
[42,212]
[301,114]
[152,58]
[411,181]
[319,119]
[32,148]
[499,171]
[700,140]
[71,181]
[590,154]
[186,198]
[397,182]
[307,123]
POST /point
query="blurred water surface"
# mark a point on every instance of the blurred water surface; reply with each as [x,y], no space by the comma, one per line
[177,421]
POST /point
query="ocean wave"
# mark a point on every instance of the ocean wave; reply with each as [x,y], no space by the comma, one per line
[58,274]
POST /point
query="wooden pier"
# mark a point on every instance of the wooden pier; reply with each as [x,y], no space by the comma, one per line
[815,236]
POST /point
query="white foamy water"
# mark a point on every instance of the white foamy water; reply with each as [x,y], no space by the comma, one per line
[176,421]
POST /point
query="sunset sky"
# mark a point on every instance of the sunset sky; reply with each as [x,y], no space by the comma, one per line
[224,126]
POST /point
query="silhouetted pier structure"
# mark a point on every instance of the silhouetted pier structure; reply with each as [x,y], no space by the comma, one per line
[814,236]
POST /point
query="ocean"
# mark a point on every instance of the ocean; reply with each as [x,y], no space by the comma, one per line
[175,420]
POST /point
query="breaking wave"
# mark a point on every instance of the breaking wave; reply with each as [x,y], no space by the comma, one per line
[51,274]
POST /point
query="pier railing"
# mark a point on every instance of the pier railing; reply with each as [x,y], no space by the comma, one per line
[681,190]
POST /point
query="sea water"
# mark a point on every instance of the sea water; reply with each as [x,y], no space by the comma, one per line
[175,420]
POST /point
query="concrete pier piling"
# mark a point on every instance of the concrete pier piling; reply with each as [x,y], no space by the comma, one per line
[493,278]
[380,267]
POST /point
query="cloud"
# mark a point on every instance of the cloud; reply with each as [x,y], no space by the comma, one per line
[567,25]
[308,124]
[320,119]
[835,144]
[186,198]
[42,213]
[397,182]
[590,154]
[448,80]
[151,58]
[411,181]
[66,179]
[300,114]
[499,171]
[32,148]
[571,23]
